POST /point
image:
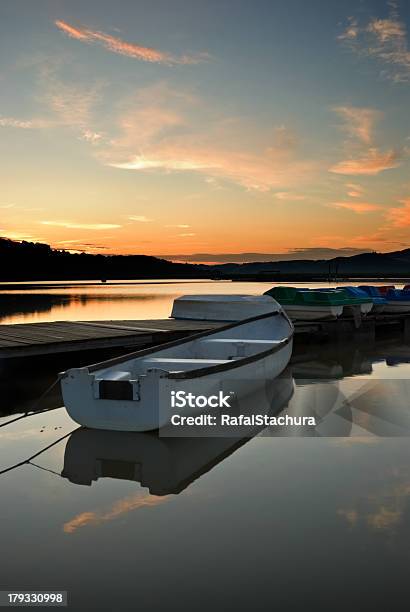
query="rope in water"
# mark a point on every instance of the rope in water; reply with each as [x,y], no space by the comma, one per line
[28,461]
[40,467]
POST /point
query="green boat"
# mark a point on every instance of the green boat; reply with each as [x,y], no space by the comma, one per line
[313,305]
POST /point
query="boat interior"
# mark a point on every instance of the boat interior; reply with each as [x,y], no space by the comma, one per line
[201,353]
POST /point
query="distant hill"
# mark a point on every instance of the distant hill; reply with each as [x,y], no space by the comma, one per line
[24,261]
[36,261]
[392,264]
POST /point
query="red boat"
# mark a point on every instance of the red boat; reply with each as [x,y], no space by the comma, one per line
[385,288]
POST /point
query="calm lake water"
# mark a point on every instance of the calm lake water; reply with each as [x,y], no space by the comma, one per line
[298,519]
[73,301]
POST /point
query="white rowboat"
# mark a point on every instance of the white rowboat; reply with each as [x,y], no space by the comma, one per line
[165,464]
[222,307]
[134,392]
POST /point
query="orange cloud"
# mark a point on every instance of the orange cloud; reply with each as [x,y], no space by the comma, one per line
[287,195]
[71,30]
[116,45]
[351,32]
[179,226]
[85,226]
[165,130]
[371,163]
[384,40]
[358,122]
[258,171]
[357,207]
[140,218]
[400,216]
[121,507]
[384,518]
[387,29]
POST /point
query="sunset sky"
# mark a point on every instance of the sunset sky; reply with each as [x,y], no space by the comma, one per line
[213,128]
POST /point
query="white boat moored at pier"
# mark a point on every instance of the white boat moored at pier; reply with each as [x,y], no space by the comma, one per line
[222,307]
[134,392]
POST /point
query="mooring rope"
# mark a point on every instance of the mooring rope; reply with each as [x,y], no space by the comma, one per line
[44,469]
[28,461]
[32,410]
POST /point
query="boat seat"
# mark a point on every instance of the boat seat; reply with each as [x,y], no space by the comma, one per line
[232,348]
[170,364]
[115,375]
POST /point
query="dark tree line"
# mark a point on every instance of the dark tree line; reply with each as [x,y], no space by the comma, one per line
[36,261]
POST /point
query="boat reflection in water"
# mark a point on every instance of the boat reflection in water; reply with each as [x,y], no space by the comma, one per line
[166,464]
[349,393]
[352,392]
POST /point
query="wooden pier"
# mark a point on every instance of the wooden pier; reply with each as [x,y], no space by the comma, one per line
[346,329]
[58,337]
[34,339]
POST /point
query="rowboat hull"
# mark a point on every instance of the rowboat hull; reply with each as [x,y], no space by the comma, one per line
[140,390]
[222,307]
[164,464]
[312,313]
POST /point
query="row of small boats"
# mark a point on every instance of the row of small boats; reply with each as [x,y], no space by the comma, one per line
[329,303]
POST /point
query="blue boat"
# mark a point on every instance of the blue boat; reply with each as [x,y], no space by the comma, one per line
[354,298]
[397,300]
[379,301]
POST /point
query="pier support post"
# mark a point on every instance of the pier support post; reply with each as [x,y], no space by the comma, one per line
[406,328]
[367,331]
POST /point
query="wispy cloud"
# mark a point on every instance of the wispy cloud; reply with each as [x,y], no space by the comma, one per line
[77,246]
[384,518]
[20,236]
[362,156]
[400,216]
[85,226]
[68,241]
[164,131]
[354,190]
[3,206]
[73,104]
[351,32]
[358,122]
[371,163]
[26,124]
[179,226]
[140,218]
[91,137]
[357,207]
[287,195]
[117,45]
[384,40]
